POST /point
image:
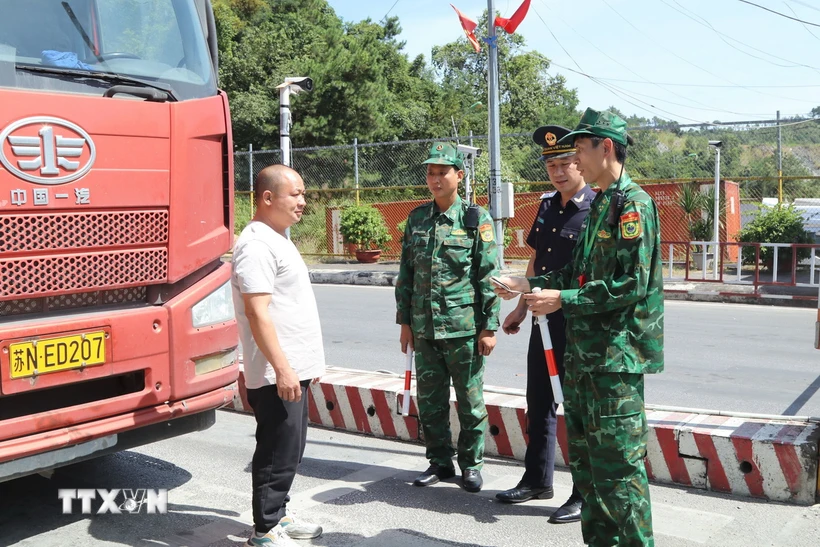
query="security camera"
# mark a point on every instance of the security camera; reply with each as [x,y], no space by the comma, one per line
[302,83]
[716,144]
[470,152]
[297,84]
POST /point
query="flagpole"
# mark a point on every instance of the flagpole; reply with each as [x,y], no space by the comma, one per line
[494,131]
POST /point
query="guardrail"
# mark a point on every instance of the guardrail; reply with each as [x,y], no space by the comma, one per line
[694,261]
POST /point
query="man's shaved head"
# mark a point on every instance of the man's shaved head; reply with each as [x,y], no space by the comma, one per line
[273,178]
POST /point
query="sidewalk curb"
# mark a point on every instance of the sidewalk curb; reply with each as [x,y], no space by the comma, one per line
[692,292]
[755,457]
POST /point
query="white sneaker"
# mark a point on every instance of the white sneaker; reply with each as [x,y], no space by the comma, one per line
[276,537]
[297,528]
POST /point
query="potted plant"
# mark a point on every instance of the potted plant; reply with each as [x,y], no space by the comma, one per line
[364,227]
[699,213]
[778,224]
[701,230]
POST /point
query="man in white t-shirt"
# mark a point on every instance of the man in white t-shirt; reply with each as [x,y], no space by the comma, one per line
[282,344]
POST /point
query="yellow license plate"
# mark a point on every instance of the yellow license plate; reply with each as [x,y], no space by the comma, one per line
[55,354]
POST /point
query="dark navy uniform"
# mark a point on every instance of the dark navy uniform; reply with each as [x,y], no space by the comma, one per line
[553,236]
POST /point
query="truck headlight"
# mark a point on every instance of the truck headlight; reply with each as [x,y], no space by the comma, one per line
[217,307]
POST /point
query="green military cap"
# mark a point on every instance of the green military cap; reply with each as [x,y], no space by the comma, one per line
[604,124]
[444,153]
[548,138]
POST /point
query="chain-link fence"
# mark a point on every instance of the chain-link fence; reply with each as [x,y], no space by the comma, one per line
[673,167]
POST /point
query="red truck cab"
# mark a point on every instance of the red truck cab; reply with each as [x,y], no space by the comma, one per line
[116,206]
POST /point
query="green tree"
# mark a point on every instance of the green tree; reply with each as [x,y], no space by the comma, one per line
[529,95]
[365,86]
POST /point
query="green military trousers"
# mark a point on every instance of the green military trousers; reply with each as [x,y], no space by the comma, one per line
[607,434]
[437,362]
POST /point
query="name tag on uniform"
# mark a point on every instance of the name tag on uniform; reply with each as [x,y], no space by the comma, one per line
[458,232]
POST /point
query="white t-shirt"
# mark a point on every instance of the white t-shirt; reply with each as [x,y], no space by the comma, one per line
[266,262]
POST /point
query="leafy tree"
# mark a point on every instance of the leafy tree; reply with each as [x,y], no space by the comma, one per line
[529,95]
[365,86]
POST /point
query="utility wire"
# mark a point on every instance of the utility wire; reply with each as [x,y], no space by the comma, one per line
[619,92]
[594,78]
[780,14]
[804,4]
[678,84]
[723,37]
[656,43]
[804,26]
[391,9]
[704,106]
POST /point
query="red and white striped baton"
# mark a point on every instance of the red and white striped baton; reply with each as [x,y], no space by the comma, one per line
[549,353]
[408,370]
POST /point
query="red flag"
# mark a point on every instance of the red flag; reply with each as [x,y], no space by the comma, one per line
[509,25]
[469,26]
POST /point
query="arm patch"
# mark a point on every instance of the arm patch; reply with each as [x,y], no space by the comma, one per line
[631,225]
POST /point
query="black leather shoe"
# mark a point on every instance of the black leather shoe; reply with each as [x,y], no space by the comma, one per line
[524,492]
[471,480]
[569,512]
[434,474]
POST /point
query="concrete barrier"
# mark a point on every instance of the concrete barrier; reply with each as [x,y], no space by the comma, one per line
[774,459]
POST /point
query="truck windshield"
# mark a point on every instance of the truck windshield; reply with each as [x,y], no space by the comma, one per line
[51,44]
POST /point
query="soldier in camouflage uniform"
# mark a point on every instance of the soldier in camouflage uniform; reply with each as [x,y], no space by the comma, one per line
[448,313]
[612,297]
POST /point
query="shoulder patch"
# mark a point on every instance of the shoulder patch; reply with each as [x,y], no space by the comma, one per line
[486,231]
[631,225]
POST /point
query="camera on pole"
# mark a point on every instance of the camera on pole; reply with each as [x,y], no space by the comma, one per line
[299,84]
[293,84]
[470,154]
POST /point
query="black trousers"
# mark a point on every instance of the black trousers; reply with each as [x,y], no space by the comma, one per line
[542,421]
[281,433]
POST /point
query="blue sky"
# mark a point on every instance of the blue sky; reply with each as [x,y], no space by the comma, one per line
[670,42]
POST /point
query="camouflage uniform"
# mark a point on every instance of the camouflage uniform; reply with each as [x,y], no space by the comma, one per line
[443,292]
[614,337]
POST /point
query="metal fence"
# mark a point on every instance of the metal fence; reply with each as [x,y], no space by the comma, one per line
[391,177]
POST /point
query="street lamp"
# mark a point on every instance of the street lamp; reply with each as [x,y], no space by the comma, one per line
[716,218]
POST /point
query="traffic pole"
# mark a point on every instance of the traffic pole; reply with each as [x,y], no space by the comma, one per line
[549,353]
[408,371]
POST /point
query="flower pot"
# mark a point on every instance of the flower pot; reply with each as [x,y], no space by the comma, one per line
[368,256]
[697,260]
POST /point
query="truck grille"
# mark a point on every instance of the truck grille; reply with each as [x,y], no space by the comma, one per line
[44,232]
[57,254]
[26,306]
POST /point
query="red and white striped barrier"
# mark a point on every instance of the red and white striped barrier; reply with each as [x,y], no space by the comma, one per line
[761,458]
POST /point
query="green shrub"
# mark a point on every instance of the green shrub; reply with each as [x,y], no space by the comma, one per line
[363,226]
[242,212]
[778,224]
